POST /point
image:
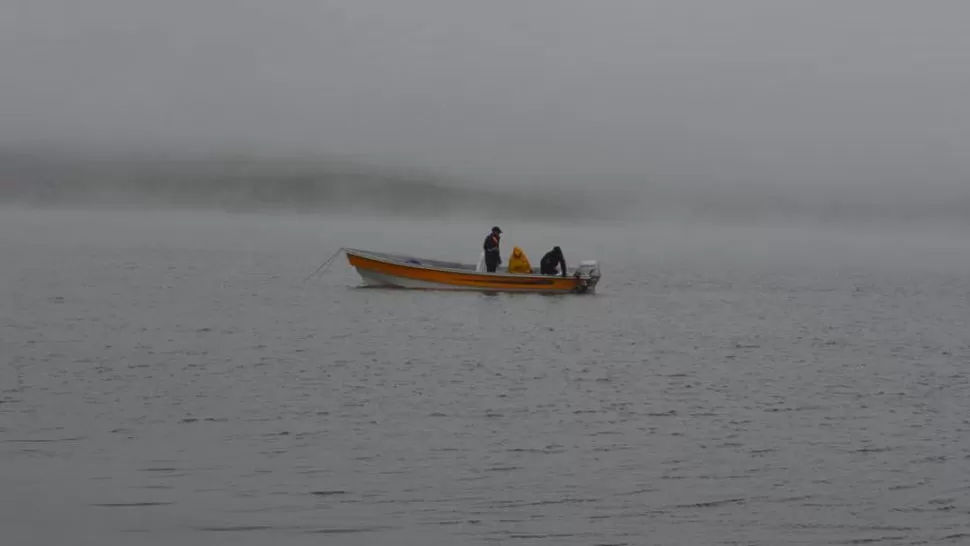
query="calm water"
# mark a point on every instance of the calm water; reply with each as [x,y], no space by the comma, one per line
[168,378]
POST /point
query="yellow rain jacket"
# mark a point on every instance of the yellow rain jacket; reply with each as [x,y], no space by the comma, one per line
[519,262]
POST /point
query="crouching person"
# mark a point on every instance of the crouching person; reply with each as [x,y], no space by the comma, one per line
[519,262]
[552,259]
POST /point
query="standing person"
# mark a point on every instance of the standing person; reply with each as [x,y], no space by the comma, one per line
[549,262]
[493,256]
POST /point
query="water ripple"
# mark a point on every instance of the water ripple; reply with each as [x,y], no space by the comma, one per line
[724,399]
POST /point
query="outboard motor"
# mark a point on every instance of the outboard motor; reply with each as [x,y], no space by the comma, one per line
[589,271]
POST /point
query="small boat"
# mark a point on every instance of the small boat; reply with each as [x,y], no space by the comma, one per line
[400,271]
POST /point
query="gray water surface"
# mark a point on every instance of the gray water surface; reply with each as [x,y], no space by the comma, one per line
[168,378]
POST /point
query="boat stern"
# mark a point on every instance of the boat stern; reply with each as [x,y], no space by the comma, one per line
[588,274]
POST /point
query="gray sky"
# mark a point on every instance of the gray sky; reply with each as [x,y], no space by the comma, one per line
[781,91]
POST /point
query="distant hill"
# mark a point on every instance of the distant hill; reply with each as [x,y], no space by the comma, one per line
[240,184]
[248,183]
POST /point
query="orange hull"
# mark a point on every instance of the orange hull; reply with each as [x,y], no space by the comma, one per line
[405,272]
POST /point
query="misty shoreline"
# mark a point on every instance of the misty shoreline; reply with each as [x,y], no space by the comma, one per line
[258,185]
[247,185]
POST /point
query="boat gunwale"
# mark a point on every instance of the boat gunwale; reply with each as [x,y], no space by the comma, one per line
[385,257]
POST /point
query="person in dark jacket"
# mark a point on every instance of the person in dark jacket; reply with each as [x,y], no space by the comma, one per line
[493,256]
[549,262]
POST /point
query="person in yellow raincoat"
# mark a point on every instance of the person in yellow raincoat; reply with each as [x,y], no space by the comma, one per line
[519,262]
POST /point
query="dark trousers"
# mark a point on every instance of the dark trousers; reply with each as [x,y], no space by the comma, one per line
[491,261]
[548,269]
